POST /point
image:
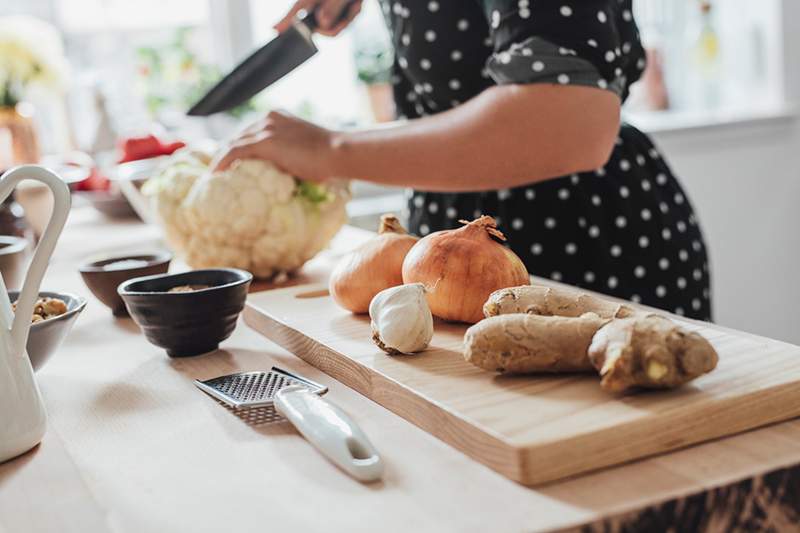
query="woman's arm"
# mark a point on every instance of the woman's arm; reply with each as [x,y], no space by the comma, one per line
[505,137]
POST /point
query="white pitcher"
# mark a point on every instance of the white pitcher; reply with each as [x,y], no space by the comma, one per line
[22,415]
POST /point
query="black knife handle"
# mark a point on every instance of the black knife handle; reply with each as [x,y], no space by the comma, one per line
[309,18]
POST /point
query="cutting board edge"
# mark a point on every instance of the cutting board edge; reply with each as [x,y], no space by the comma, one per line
[538,462]
[508,458]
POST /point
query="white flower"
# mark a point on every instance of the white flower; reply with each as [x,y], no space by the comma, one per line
[31,51]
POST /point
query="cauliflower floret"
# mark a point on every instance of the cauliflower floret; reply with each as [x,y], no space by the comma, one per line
[250,216]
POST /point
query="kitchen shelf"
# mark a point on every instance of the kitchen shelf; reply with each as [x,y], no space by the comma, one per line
[676,122]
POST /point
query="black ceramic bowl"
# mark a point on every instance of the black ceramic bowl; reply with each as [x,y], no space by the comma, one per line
[46,336]
[187,323]
[103,277]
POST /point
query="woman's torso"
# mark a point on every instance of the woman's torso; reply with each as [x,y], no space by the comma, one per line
[626,229]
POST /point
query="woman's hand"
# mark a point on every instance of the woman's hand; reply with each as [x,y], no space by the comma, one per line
[328,15]
[297,147]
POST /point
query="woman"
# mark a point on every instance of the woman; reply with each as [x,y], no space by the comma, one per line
[514,111]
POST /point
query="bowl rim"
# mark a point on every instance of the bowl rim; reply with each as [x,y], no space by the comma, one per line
[102,195]
[13,244]
[81,304]
[134,169]
[160,257]
[244,277]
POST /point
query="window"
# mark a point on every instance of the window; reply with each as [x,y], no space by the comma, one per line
[150,58]
[137,66]
[326,88]
[715,57]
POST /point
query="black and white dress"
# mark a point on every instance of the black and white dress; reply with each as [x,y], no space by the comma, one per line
[626,229]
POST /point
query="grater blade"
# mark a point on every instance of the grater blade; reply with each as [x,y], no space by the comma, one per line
[248,390]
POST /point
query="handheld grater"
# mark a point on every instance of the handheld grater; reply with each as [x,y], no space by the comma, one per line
[299,400]
[248,390]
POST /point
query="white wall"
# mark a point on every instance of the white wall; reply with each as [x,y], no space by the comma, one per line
[745,186]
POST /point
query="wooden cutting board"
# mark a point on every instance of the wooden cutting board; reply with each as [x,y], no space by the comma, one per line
[534,429]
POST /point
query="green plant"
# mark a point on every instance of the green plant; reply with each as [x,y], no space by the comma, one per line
[8,96]
[374,66]
[173,75]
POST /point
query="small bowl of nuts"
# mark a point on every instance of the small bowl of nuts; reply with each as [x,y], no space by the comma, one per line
[53,317]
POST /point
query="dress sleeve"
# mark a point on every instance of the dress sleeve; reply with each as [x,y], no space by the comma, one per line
[576,42]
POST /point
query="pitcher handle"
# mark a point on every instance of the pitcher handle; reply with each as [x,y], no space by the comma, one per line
[62,202]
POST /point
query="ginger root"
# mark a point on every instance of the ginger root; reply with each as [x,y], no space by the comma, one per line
[523,343]
[650,352]
[540,329]
[550,301]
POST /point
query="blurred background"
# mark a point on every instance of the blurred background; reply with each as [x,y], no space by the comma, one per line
[719,97]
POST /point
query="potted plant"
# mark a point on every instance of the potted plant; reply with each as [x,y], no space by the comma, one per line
[374,58]
[31,54]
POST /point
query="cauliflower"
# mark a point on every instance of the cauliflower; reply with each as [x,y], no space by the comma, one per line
[250,216]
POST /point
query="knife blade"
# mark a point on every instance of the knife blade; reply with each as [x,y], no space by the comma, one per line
[265,66]
[262,68]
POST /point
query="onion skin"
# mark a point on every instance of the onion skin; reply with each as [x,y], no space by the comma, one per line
[462,267]
[374,266]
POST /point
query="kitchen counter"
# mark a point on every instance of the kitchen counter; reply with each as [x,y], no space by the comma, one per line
[133,446]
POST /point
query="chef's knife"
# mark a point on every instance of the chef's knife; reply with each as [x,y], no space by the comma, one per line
[265,66]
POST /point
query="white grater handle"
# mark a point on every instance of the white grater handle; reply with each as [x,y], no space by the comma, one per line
[331,430]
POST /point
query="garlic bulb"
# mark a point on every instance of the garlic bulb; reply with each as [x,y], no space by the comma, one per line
[401,319]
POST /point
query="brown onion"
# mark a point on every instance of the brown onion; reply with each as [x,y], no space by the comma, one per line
[462,267]
[374,266]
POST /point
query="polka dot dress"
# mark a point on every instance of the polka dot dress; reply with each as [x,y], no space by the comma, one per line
[626,229]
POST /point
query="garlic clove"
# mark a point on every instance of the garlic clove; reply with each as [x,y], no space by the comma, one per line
[401,319]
